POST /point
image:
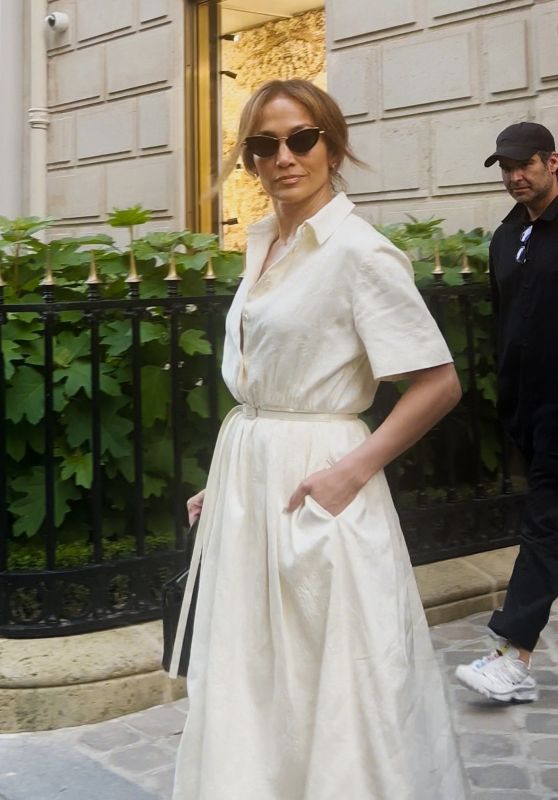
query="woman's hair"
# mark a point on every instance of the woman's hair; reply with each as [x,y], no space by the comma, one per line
[323,109]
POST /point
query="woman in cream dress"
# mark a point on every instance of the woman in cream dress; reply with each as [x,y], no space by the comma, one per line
[312,676]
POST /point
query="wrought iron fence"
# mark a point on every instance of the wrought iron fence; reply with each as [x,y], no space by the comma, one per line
[454,490]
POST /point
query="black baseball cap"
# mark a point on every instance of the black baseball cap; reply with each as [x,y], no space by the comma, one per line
[520,141]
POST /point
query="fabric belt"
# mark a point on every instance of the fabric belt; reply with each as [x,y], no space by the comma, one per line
[251,412]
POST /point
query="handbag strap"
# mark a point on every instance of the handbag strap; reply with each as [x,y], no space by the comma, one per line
[186,605]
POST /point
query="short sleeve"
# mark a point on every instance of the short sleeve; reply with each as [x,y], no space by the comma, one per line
[391,318]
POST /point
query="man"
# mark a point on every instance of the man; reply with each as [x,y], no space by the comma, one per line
[524,280]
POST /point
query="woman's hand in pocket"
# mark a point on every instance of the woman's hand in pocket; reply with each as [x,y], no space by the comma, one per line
[333,489]
[194,506]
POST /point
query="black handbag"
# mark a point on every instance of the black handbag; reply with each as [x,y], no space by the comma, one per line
[172,594]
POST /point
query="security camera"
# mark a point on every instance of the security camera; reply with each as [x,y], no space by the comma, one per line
[57,21]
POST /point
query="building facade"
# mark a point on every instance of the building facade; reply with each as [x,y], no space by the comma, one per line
[118,102]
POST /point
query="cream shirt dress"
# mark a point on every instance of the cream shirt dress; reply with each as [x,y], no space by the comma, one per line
[312,675]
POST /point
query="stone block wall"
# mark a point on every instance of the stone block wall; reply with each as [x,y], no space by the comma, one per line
[426,85]
[115,84]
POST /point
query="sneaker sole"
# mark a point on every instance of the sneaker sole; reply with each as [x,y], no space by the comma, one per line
[526,695]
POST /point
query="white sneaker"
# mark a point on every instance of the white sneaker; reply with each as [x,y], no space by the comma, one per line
[502,675]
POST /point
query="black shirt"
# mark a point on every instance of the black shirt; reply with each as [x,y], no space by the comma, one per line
[525,298]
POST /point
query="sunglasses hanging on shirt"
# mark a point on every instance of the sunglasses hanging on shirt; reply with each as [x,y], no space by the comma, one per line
[525,238]
[299,143]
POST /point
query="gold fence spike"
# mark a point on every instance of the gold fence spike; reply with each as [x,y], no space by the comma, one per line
[133,276]
[93,278]
[172,275]
[209,275]
[438,270]
[48,280]
[465,269]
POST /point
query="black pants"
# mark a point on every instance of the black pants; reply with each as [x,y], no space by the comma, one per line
[533,586]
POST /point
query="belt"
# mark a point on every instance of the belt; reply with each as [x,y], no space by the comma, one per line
[251,412]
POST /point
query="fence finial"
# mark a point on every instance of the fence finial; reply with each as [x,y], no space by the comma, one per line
[465,269]
[172,274]
[133,276]
[93,278]
[438,269]
[209,274]
[48,280]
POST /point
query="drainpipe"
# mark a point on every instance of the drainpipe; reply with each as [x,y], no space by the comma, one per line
[38,110]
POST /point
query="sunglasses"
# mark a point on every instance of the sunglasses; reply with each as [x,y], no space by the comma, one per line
[521,255]
[299,143]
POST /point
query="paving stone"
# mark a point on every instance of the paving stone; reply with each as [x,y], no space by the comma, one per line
[162,782]
[505,776]
[455,657]
[109,737]
[51,772]
[158,721]
[546,677]
[507,794]
[548,698]
[549,778]
[487,746]
[545,750]
[542,723]
[140,758]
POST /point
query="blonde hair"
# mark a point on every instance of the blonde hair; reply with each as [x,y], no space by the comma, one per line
[324,111]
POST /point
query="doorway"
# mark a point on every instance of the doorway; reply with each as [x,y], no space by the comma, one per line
[237,47]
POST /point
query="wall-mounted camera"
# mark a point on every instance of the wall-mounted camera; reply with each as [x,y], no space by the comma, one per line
[57,21]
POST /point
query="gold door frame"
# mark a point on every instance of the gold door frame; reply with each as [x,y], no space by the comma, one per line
[202,124]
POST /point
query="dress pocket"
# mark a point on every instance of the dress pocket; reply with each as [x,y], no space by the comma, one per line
[320,511]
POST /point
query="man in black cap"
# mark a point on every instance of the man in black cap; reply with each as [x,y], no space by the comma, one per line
[524,281]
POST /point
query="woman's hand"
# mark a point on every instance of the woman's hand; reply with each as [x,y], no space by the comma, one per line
[194,506]
[333,489]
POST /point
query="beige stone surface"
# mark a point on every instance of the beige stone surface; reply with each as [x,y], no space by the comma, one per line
[357,17]
[413,74]
[47,708]
[107,18]
[506,47]
[497,564]
[448,581]
[141,60]
[75,76]
[107,130]
[84,658]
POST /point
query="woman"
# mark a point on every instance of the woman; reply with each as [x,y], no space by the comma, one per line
[312,676]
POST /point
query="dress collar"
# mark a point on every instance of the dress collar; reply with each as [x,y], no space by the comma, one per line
[323,223]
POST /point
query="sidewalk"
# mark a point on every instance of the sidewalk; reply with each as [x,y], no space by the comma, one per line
[511,751]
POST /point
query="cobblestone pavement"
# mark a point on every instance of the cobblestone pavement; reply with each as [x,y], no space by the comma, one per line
[511,751]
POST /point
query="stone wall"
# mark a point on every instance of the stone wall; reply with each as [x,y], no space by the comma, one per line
[115,83]
[293,48]
[426,85]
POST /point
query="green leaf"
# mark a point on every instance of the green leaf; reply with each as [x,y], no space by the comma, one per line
[68,347]
[128,217]
[75,377]
[193,341]
[11,352]
[153,486]
[77,421]
[117,337]
[29,509]
[154,394]
[79,466]
[116,429]
[198,401]
[25,397]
